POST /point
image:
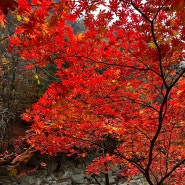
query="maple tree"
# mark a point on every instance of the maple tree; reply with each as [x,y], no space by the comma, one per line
[122,80]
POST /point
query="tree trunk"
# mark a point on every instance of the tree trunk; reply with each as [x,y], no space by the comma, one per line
[107,179]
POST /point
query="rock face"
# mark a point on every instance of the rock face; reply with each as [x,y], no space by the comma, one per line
[75,179]
[67,178]
[69,174]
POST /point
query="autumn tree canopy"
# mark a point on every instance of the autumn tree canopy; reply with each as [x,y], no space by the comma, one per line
[120,80]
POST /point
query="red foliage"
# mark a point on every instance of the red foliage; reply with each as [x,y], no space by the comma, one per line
[123,80]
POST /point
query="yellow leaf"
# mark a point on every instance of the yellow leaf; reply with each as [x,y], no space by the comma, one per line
[63,117]
[175,33]
[179,91]
[38,82]
[19,17]
[114,128]
[152,45]
[37,77]
[26,20]
[13,172]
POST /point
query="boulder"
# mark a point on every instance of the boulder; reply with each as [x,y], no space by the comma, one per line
[78,178]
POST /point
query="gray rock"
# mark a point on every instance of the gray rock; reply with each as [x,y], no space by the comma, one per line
[44,182]
[133,183]
[37,181]
[26,180]
[69,182]
[112,180]
[78,178]
[51,177]
[54,182]
[77,171]
[67,174]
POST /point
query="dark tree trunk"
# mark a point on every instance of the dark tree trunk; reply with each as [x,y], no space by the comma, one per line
[107,179]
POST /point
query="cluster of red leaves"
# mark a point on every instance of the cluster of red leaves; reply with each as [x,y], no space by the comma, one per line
[120,80]
[5,6]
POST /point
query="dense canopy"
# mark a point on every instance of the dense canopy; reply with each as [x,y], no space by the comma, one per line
[121,82]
